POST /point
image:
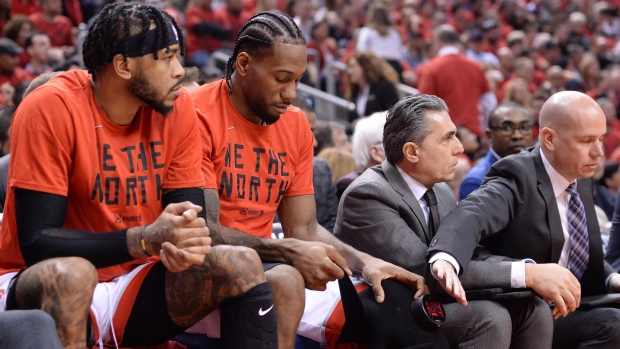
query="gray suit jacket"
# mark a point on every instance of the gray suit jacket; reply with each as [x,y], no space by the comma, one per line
[378,214]
[515,214]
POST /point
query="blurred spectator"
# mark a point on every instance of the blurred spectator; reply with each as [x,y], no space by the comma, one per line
[367,143]
[9,71]
[470,143]
[205,32]
[38,46]
[190,79]
[57,26]
[612,139]
[475,52]
[340,161]
[459,81]
[492,35]
[463,166]
[234,17]
[18,29]
[534,106]
[517,90]
[331,134]
[415,51]
[601,50]
[524,69]
[371,83]
[6,115]
[611,177]
[589,70]
[509,131]
[381,37]
[602,197]
[302,12]
[326,48]
[555,80]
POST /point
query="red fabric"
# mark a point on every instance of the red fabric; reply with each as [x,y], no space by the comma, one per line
[234,22]
[18,76]
[193,16]
[460,82]
[335,323]
[24,7]
[58,30]
[74,11]
[315,45]
[253,166]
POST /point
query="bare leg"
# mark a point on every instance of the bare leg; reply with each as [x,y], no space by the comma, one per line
[228,271]
[63,288]
[287,288]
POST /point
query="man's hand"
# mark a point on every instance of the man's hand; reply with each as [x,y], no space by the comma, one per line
[444,272]
[179,237]
[317,262]
[555,284]
[377,270]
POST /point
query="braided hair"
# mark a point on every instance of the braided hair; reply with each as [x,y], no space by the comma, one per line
[260,33]
[118,21]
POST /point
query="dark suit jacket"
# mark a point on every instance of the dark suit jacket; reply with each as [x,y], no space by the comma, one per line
[515,214]
[378,214]
[381,96]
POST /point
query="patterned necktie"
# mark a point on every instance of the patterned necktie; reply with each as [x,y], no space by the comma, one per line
[579,251]
[433,216]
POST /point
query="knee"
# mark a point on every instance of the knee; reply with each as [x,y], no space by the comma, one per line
[73,277]
[77,273]
[285,279]
[607,328]
[236,263]
[540,315]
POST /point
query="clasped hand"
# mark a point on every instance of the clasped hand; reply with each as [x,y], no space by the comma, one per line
[179,237]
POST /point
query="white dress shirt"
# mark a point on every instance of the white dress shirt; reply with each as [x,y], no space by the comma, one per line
[418,191]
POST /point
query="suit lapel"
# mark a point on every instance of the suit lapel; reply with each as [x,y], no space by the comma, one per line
[584,187]
[398,183]
[545,189]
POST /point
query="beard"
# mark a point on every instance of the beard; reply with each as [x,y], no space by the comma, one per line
[261,109]
[145,91]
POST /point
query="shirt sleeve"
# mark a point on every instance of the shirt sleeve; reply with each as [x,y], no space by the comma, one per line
[184,170]
[206,138]
[42,165]
[302,182]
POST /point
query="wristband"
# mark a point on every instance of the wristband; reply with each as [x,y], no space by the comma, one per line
[142,240]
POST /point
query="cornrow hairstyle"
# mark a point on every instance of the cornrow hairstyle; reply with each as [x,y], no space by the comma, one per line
[125,28]
[259,34]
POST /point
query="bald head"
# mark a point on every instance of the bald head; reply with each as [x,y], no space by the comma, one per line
[571,135]
[564,109]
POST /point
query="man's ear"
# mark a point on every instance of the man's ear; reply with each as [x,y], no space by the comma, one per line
[123,67]
[376,153]
[243,63]
[411,151]
[547,138]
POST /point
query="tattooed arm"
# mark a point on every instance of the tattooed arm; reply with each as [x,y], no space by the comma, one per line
[40,220]
[311,249]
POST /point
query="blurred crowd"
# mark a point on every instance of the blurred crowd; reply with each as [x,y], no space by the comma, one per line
[525,51]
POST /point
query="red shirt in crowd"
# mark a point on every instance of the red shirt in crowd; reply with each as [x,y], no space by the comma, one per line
[59,30]
[195,15]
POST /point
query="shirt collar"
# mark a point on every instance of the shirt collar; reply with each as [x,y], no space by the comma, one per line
[558,182]
[448,50]
[416,187]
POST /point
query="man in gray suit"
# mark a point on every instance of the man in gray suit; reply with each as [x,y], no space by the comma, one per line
[538,204]
[388,213]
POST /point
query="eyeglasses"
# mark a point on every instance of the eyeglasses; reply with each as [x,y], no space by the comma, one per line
[509,129]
